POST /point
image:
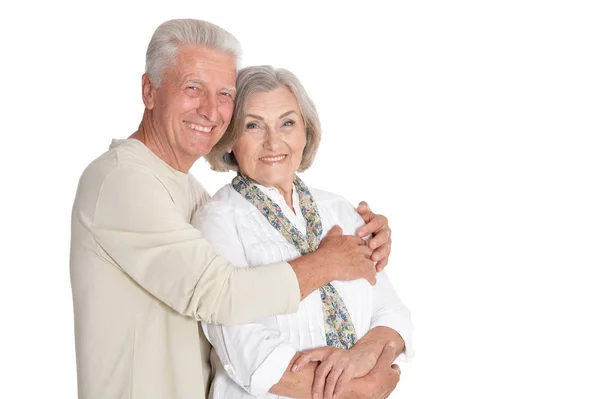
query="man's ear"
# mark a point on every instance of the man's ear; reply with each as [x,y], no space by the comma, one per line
[148,91]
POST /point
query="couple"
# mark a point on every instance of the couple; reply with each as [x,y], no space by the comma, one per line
[142,275]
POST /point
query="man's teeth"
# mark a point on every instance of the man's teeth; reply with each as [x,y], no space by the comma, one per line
[199,128]
[273,159]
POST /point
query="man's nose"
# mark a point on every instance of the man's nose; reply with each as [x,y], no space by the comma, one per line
[209,107]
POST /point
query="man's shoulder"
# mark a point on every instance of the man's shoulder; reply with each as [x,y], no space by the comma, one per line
[124,157]
[120,166]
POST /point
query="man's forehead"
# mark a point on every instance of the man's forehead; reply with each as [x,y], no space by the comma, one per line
[203,70]
[208,56]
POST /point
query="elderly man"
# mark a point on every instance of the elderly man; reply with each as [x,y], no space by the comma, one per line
[142,275]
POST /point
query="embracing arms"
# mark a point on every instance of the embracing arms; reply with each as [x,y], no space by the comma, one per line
[138,227]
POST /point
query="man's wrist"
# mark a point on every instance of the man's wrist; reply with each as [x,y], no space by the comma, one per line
[360,388]
[368,351]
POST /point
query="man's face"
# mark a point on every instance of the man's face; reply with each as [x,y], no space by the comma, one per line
[193,105]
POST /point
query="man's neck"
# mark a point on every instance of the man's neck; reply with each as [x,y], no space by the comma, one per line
[160,146]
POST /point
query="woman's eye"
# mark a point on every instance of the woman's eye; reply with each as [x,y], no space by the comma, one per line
[289,123]
[252,125]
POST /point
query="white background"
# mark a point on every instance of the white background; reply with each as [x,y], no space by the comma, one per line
[473,125]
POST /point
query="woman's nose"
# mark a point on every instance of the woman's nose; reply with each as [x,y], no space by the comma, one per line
[271,139]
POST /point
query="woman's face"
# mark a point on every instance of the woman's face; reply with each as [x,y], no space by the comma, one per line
[269,151]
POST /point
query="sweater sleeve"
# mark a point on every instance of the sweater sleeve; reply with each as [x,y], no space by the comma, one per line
[139,228]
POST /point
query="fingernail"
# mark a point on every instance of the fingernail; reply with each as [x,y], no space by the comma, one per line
[295,368]
[315,396]
[392,345]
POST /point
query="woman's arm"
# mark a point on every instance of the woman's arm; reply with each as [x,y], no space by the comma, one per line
[377,383]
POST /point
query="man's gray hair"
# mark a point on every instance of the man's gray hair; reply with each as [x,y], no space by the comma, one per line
[171,35]
[260,79]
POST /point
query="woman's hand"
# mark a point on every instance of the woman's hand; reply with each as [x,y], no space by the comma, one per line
[337,368]
[381,243]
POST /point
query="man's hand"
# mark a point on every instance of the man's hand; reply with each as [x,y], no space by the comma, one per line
[337,368]
[347,257]
[381,243]
[384,377]
[337,258]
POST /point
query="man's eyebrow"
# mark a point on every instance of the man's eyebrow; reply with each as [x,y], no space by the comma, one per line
[201,82]
[194,80]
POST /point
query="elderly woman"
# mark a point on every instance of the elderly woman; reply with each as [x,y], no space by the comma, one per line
[268,215]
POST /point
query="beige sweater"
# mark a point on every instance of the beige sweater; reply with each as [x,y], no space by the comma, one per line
[142,276]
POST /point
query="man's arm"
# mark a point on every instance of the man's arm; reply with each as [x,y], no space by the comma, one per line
[140,230]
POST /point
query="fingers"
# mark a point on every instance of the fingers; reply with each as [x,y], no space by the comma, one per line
[377,223]
[381,252]
[321,374]
[313,355]
[381,255]
[334,232]
[387,355]
[342,383]
[381,264]
[365,211]
[366,251]
[368,271]
[382,237]
[331,382]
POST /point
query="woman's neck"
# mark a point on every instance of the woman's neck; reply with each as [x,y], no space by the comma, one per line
[288,195]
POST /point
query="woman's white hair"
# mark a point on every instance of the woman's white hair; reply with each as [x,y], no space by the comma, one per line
[171,35]
[261,79]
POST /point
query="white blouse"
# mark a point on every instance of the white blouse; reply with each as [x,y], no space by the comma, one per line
[249,359]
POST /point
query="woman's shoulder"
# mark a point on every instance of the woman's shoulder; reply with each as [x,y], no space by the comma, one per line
[323,197]
[337,210]
[226,201]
